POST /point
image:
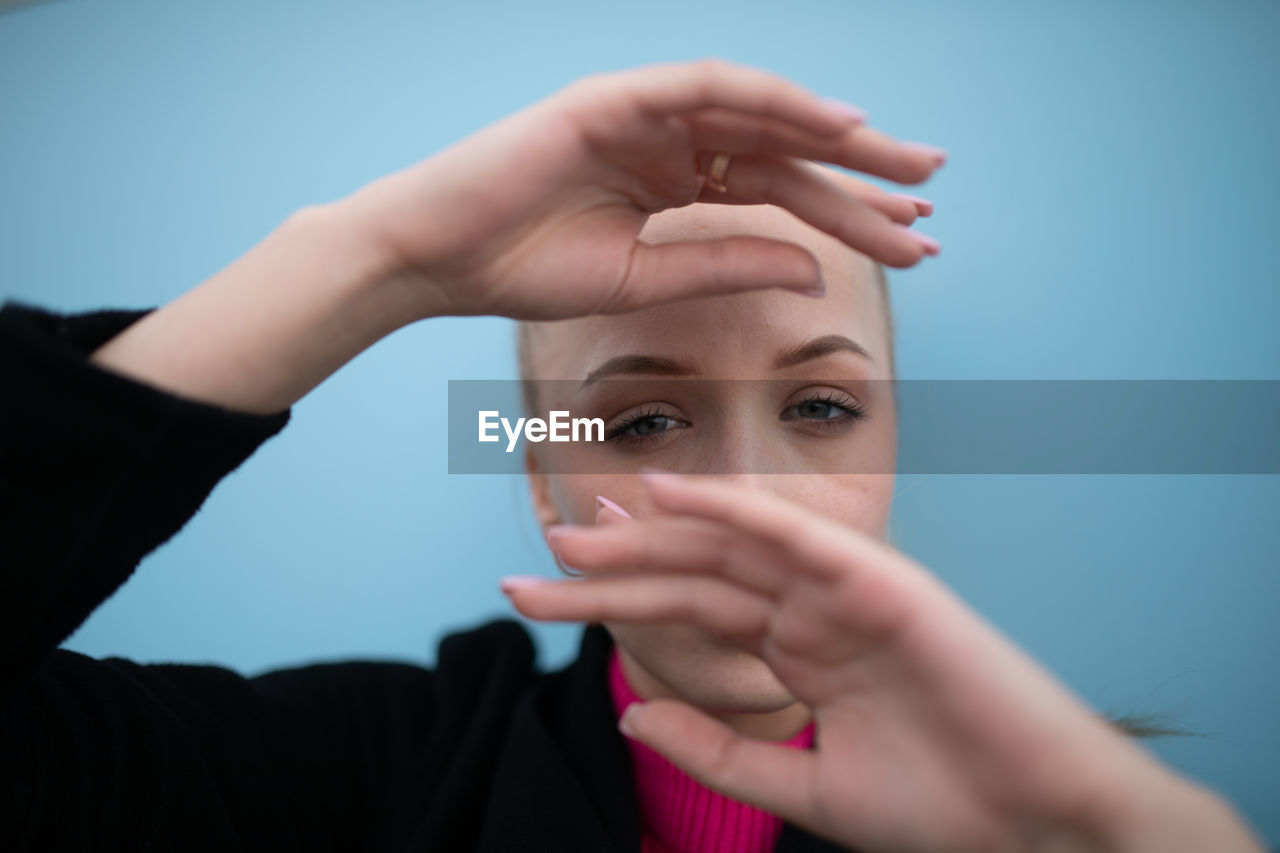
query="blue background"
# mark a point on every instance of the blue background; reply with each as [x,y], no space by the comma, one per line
[1108,211]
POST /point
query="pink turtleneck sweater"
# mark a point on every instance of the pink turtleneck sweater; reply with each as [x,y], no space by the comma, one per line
[678,813]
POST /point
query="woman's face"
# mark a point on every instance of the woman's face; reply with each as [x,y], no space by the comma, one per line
[788,434]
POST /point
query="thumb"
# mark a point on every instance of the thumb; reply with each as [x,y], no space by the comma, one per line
[670,271]
[769,776]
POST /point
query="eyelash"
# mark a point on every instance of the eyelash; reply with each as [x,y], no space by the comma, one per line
[854,411]
[616,434]
[853,408]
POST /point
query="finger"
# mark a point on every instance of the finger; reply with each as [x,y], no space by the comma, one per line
[861,148]
[794,528]
[811,620]
[769,776]
[680,87]
[902,209]
[811,194]
[923,206]
[899,207]
[680,545]
[706,602]
[690,268]
[760,512]
[878,589]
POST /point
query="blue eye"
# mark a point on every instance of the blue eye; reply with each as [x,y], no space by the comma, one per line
[823,410]
[828,410]
[820,410]
[643,425]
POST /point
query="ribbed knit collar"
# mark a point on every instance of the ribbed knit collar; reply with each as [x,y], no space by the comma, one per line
[681,814]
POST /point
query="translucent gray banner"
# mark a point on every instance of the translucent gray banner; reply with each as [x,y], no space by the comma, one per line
[807,426]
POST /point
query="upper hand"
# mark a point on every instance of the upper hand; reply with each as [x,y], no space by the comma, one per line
[537,215]
[934,732]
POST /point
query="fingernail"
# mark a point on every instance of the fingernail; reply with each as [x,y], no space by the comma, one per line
[817,289]
[844,109]
[601,500]
[939,155]
[923,205]
[624,722]
[511,582]
[931,246]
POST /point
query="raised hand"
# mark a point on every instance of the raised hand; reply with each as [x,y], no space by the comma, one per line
[934,731]
[537,216]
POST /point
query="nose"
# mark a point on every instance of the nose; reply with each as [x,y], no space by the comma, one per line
[743,455]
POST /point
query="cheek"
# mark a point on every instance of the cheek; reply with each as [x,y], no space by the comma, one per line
[860,501]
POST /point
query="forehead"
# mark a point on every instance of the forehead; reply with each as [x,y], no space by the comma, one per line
[732,333]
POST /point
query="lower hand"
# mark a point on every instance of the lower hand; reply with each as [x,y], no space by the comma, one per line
[537,216]
[934,732]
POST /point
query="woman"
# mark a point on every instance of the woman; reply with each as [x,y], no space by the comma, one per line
[929,730]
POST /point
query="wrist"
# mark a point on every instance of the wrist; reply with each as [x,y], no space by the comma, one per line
[380,232]
[1170,814]
[264,331]
[362,270]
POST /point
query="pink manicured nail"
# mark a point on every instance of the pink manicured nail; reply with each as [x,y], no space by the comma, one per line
[845,109]
[511,582]
[939,155]
[601,500]
[624,722]
[923,205]
[817,290]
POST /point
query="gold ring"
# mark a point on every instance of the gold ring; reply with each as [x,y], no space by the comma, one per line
[715,178]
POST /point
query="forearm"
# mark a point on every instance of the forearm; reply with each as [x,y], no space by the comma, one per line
[274,324]
[1187,819]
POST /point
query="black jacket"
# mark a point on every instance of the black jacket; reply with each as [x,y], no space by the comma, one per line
[483,752]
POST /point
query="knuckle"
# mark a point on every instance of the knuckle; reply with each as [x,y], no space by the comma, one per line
[768,178]
[647,558]
[848,223]
[709,64]
[727,545]
[717,258]
[700,601]
[586,81]
[593,84]
[719,761]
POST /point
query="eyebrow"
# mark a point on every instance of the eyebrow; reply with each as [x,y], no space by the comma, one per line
[656,365]
[818,347]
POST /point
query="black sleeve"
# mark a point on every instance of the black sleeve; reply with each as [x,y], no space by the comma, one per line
[96,471]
